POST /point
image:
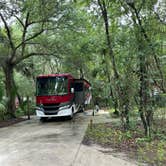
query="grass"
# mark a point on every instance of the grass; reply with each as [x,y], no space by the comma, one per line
[132,142]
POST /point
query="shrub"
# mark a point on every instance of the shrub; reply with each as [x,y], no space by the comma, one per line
[2,111]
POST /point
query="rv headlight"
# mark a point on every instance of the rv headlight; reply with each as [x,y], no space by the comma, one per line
[39,109]
[64,107]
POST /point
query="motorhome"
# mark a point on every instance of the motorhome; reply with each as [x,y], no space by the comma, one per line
[60,95]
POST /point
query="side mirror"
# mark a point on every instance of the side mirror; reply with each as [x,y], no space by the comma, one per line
[72,90]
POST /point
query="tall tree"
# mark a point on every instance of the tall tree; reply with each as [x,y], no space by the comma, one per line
[24,22]
[141,11]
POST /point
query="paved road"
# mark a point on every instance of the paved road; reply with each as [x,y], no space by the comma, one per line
[53,143]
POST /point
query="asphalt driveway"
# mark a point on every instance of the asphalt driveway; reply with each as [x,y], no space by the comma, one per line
[53,143]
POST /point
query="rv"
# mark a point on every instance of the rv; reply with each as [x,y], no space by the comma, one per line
[60,95]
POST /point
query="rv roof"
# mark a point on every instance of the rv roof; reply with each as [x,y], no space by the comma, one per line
[83,80]
[55,75]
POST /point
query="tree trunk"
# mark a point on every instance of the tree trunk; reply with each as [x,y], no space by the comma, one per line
[81,73]
[28,108]
[145,109]
[107,72]
[108,37]
[118,87]
[144,88]
[10,89]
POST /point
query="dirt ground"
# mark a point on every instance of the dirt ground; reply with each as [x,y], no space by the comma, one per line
[10,122]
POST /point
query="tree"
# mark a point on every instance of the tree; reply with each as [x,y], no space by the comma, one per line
[24,22]
[148,59]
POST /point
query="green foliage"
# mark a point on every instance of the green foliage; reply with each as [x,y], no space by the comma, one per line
[22,110]
[1,86]
[104,134]
[149,150]
[152,153]
[26,86]
[2,111]
[2,102]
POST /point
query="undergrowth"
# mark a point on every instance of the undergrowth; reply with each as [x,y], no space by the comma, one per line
[133,142]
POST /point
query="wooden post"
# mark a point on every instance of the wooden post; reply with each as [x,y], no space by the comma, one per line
[91,124]
[93,113]
[28,108]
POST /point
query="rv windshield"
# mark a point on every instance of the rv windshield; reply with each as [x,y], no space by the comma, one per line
[52,86]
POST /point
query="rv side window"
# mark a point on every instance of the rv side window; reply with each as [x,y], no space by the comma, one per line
[78,87]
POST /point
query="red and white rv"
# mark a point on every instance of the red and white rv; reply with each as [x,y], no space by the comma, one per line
[60,95]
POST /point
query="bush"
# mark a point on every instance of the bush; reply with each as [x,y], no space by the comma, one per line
[160,100]
[2,111]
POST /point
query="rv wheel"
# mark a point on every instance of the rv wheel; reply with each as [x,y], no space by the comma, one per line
[82,109]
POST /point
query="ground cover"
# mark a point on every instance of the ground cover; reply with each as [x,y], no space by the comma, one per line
[132,142]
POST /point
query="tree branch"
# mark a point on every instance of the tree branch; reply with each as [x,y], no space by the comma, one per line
[30,38]
[39,21]
[158,17]
[19,20]
[30,55]
[108,38]
[24,33]
[143,1]
[8,32]
[27,24]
